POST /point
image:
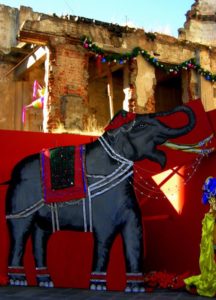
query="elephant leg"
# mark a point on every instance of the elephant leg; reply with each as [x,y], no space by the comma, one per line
[102,246]
[19,232]
[133,248]
[40,239]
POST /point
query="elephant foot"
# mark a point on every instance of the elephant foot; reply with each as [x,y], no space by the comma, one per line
[95,286]
[135,283]
[18,281]
[43,278]
[134,288]
[98,281]
[45,282]
[17,276]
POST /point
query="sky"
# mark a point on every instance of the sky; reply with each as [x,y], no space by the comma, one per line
[165,16]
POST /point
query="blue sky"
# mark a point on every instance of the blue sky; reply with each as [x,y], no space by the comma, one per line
[159,15]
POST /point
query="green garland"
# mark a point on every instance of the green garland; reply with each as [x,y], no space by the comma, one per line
[123,58]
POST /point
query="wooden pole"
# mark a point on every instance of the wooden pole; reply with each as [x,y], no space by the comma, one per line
[110,92]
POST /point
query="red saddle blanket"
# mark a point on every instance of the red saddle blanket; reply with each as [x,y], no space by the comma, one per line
[62,174]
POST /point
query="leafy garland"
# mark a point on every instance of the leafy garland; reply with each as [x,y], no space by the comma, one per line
[104,57]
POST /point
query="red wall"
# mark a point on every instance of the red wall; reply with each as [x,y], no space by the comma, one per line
[171,239]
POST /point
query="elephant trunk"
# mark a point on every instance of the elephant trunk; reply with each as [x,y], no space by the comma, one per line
[177,132]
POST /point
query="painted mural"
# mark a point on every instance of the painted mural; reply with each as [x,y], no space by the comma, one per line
[97,189]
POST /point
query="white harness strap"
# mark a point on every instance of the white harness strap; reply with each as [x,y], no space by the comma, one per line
[105,183]
[55,217]
[110,151]
[26,212]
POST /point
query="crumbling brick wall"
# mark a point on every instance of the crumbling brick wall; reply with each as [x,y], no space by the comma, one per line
[68,91]
[77,97]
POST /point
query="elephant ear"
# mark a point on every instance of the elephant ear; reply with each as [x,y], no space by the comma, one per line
[121,118]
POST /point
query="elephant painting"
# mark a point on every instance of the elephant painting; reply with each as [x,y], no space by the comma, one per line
[114,208]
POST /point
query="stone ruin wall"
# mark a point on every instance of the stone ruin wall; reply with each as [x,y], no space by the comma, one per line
[200,25]
[73,104]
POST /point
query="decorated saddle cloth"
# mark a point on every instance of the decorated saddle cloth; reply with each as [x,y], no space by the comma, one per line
[62,174]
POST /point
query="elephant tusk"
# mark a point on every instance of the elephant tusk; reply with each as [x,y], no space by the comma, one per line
[189,149]
[205,141]
[188,146]
[175,146]
[200,151]
[192,148]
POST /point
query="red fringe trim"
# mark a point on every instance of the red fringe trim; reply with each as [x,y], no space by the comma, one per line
[98,276]
[43,271]
[16,270]
[134,277]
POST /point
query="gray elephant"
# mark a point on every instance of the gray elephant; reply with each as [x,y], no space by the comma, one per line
[110,207]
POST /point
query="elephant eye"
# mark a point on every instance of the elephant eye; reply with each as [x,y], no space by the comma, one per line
[141,124]
[144,124]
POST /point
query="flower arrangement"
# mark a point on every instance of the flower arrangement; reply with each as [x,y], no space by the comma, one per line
[164,280]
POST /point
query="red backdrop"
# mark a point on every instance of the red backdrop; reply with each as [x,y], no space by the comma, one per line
[171,238]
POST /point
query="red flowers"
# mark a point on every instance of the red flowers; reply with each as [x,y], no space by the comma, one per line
[165,280]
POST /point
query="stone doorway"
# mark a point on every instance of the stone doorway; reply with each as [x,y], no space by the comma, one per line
[168,90]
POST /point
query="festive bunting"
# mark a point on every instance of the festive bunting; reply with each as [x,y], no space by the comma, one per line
[104,57]
[37,102]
